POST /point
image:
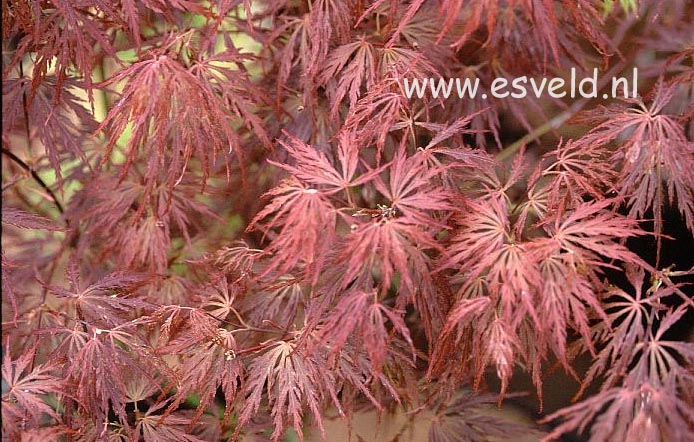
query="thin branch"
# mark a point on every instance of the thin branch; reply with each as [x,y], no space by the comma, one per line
[556,122]
[553,124]
[35,176]
[25,105]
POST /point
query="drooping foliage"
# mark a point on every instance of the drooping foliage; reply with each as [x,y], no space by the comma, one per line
[225,220]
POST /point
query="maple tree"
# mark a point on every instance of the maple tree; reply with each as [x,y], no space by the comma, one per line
[227,221]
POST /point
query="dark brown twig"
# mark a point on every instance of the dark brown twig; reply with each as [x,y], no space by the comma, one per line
[35,176]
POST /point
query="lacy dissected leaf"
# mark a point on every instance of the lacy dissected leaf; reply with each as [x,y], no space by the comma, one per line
[444,132]
[305,41]
[625,328]
[296,48]
[52,433]
[239,96]
[570,262]
[280,301]
[208,362]
[468,417]
[177,114]
[655,156]
[495,343]
[569,300]
[24,220]
[24,388]
[396,247]
[658,358]
[355,65]
[375,113]
[105,301]
[642,412]
[153,427]
[391,245]
[481,232]
[548,29]
[384,107]
[291,382]
[329,20]
[63,34]
[545,286]
[219,299]
[305,219]
[62,126]
[634,351]
[135,14]
[97,372]
[135,224]
[573,171]
[394,262]
[590,232]
[359,315]
[237,259]
[314,168]
[360,379]
[489,259]
[411,189]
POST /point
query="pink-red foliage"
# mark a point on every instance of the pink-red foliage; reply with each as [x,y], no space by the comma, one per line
[225,220]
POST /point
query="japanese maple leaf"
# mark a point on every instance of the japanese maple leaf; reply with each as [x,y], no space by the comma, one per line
[97,370]
[307,45]
[374,115]
[356,64]
[24,220]
[575,170]
[296,48]
[568,301]
[481,231]
[305,220]
[237,93]
[154,427]
[135,223]
[465,417]
[207,361]
[500,349]
[590,231]
[455,129]
[62,127]
[329,20]
[634,412]
[279,301]
[493,339]
[24,389]
[390,245]
[625,326]
[237,259]
[103,302]
[645,374]
[546,35]
[658,358]
[410,189]
[183,115]
[291,381]
[655,156]
[64,35]
[221,298]
[634,351]
[314,168]
[358,314]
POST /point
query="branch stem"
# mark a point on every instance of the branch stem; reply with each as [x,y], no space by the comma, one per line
[36,178]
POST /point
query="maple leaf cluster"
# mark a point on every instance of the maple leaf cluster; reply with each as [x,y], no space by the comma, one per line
[226,221]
